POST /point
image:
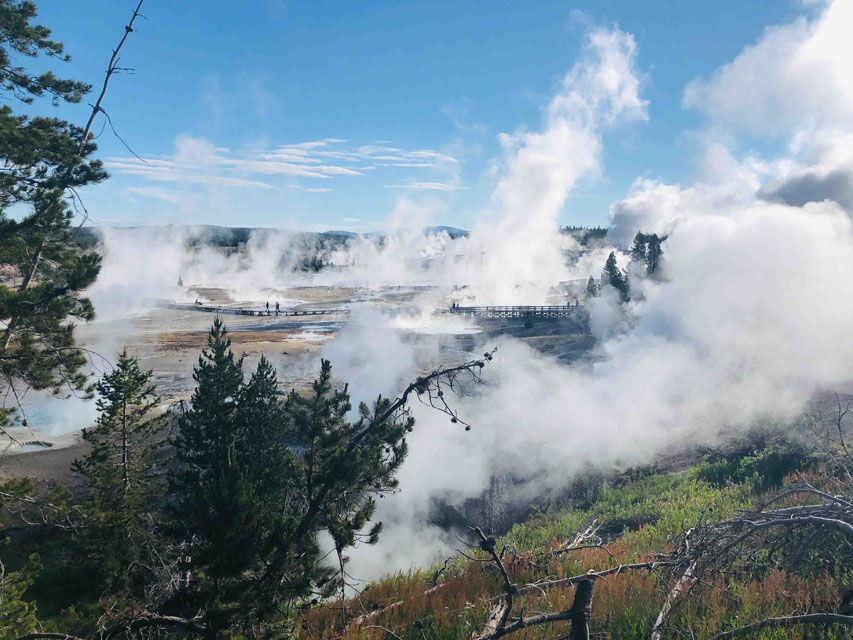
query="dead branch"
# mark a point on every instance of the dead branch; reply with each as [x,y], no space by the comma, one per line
[586,539]
[129,627]
[682,586]
[594,575]
[112,67]
[48,636]
[367,617]
[787,621]
[500,614]
[578,614]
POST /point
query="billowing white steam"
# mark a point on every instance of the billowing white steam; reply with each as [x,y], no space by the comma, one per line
[752,314]
[522,256]
[513,254]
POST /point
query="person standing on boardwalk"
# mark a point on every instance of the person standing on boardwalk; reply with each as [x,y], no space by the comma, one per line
[268,307]
[276,308]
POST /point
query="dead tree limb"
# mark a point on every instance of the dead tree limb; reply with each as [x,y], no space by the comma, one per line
[500,614]
[112,67]
[36,635]
[186,626]
[578,614]
[592,575]
[786,621]
[682,586]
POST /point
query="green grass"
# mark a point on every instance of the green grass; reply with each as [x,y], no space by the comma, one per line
[638,517]
[638,514]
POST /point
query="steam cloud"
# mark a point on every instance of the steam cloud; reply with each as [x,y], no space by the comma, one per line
[750,317]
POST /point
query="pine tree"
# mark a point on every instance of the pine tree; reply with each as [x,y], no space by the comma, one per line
[591,288]
[212,499]
[323,432]
[44,159]
[653,254]
[612,275]
[117,532]
[17,612]
[257,480]
[638,249]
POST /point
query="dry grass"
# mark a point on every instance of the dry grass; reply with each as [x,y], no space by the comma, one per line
[625,604]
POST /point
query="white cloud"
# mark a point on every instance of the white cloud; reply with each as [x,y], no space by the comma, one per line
[427,186]
[198,161]
[157,193]
[795,75]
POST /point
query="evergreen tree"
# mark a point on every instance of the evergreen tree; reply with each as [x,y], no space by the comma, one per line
[17,612]
[612,275]
[351,480]
[591,288]
[653,254]
[117,532]
[44,160]
[638,249]
[257,480]
[212,500]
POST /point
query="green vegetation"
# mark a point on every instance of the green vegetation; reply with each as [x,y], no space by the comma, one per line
[613,276]
[647,251]
[585,235]
[219,528]
[216,532]
[45,161]
[114,540]
[637,518]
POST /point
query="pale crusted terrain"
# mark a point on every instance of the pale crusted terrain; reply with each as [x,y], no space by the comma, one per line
[169,342]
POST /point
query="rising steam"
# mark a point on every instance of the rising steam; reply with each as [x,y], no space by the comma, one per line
[750,316]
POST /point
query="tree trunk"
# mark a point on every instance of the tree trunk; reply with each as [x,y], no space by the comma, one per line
[28,277]
[124,452]
[582,607]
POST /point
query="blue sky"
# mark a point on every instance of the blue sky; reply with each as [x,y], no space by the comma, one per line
[392,98]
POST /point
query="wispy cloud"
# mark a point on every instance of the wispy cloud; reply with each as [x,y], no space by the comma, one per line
[198,161]
[427,186]
[157,193]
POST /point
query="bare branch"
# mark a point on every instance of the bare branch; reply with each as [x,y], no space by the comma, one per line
[111,69]
[787,621]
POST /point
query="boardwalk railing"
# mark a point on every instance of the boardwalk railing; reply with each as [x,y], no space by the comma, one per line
[238,311]
[519,312]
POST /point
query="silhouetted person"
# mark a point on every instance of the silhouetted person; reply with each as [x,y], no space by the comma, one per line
[276,308]
[268,308]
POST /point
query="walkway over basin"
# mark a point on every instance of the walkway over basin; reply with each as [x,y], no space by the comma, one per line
[243,311]
[561,311]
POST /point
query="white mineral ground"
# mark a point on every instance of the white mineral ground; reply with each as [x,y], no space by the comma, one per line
[169,341]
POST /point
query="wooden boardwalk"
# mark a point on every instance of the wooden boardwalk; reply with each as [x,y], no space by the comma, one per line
[242,311]
[561,311]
